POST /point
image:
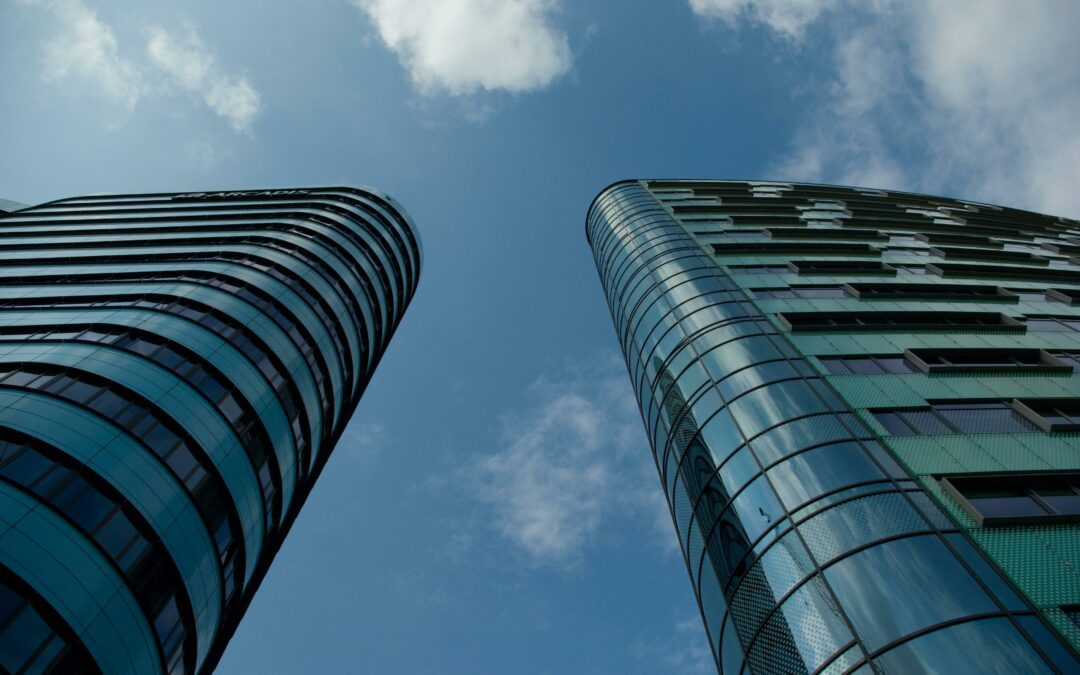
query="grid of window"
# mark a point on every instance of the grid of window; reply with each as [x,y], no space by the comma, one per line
[225,326]
[750,447]
[120,532]
[305,285]
[197,372]
[159,434]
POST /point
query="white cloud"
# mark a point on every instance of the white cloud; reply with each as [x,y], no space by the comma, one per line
[568,465]
[463,46]
[975,98]
[191,65]
[788,17]
[86,49]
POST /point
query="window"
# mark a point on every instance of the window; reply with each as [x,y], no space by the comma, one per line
[909,269]
[1027,294]
[1053,275]
[955,253]
[941,291]
[823,233]
[873,321]
[865,364]
[955,418]
[798,248]
[1017,499]
[1051,414]
[860,267]
[759,269]
[800,292]
[102,515]
[976,360]
[1054,324]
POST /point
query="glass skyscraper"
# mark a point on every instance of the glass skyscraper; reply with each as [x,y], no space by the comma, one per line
[175,370]
[865,413]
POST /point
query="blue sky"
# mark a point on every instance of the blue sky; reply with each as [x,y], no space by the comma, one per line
[493,507]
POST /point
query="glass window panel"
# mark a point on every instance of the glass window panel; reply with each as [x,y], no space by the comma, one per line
[896,588]
[994,420]
[1051,644]
[109,404]
[986,646]
[757,508]
[1064,501]
[80,392]
[815,472]
[21,638]
[835,365]
[925,422]
[864,366]
[26,468]
[894,426]
[10,601]
[895,364]
[84,503]
[116,533]
[1046,326]
[1004,503]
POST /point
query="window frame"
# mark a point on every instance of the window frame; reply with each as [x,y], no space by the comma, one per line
[1029,483]
[1042,361]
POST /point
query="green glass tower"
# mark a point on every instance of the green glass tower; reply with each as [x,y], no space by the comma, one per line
[865,412]
[175,370]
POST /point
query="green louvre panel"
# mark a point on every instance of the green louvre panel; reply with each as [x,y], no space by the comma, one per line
[934,332]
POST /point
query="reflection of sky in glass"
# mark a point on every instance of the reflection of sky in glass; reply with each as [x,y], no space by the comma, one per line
[987,647]
[815,623]
[893,589]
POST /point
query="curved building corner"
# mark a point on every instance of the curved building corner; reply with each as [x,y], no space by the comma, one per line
[175,370]
[859,406]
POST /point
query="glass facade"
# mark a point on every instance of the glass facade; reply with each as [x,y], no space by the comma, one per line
[821,371]
[175,370]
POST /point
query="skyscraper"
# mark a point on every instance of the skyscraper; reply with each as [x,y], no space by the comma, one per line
[864,409]
[175,370]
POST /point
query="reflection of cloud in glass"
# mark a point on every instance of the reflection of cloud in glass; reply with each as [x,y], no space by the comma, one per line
[896,588]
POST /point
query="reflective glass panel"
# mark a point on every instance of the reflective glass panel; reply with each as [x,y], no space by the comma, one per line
[905,585]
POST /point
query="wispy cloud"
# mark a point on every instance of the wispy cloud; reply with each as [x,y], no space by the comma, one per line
[972,97]
[568,465]
[193,67]
[788,17]
[85,48]
[464,46]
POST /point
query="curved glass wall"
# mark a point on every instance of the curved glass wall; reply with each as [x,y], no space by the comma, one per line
[810,547]
[175,370]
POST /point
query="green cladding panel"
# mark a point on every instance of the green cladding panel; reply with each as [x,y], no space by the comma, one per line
[175,370]
[865,412]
